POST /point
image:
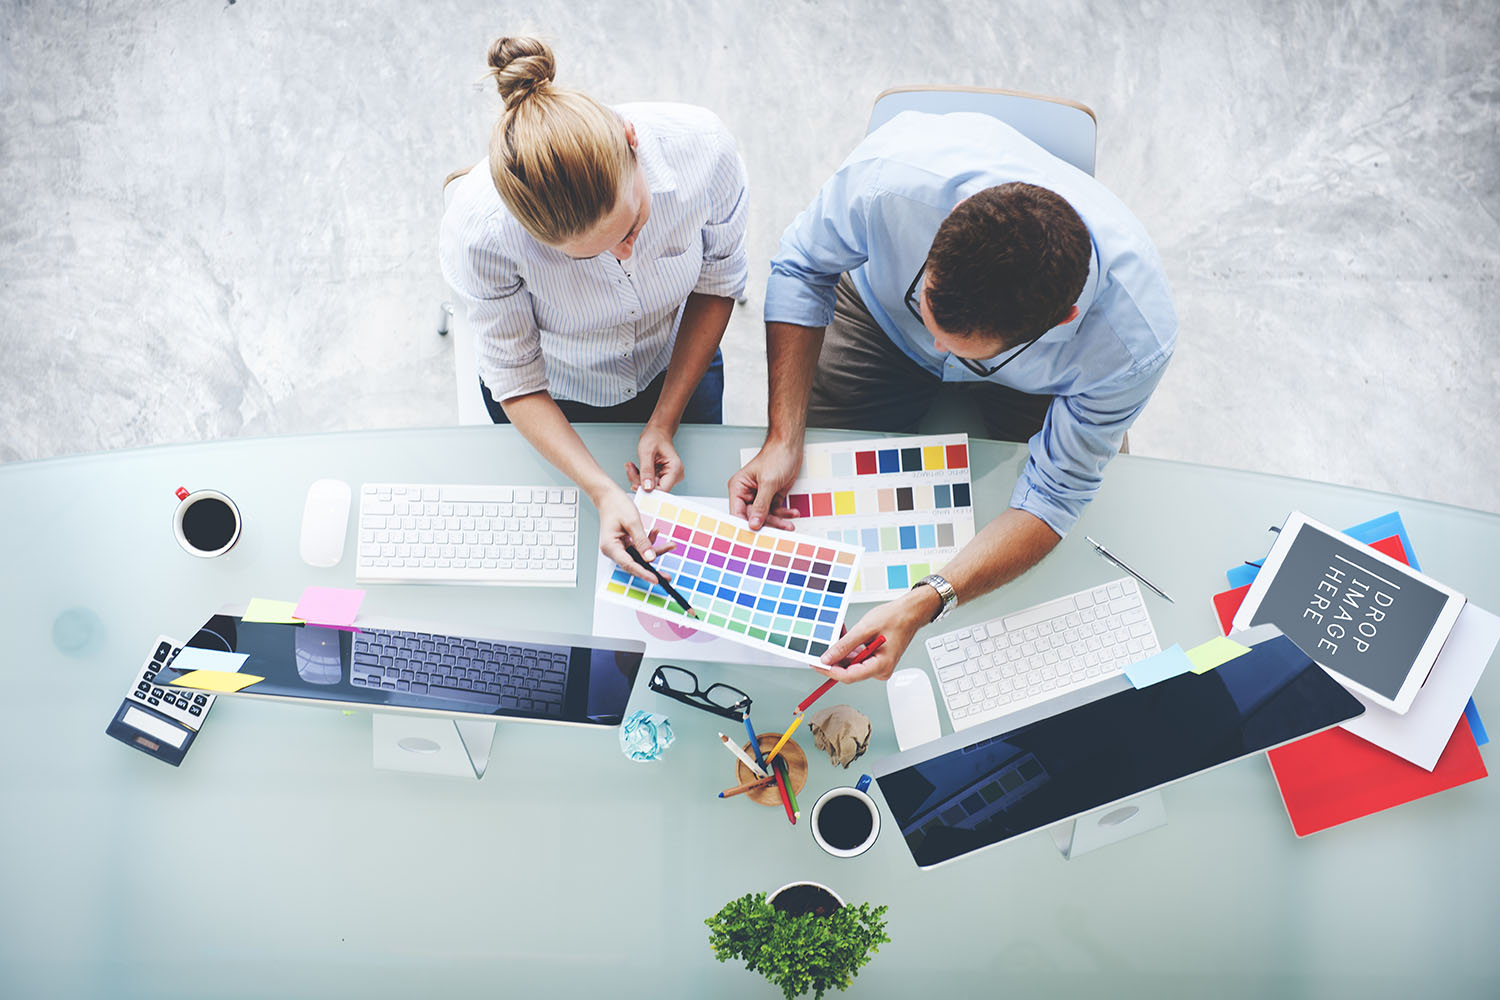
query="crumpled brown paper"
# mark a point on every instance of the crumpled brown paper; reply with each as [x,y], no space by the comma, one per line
[842,731]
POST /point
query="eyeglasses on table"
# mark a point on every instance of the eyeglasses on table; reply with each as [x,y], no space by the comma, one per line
[718,698]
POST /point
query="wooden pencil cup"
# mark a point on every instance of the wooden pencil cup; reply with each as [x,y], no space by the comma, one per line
[796,769]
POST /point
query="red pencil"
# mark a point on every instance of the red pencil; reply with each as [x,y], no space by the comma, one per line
[859,657]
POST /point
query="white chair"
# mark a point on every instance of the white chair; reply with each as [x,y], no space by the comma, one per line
[465,360]
[1063,128]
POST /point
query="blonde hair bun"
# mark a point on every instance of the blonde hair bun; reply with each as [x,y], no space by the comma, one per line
[521,66]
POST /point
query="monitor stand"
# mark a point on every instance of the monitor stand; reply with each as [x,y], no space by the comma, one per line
[421,745]
[1109,825]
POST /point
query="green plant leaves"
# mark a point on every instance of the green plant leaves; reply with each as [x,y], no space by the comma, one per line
[802,953]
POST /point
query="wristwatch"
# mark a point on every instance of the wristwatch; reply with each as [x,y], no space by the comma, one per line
[945,591]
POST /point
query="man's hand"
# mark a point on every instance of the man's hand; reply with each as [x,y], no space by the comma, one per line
[758,491]
[619,526]
[661,466]
[897,620]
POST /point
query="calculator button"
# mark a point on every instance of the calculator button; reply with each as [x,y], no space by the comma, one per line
[153,701]
[157,692]
[139,694]
[202,699]
[143,686]
[162,650]
[150,675]
[195,710]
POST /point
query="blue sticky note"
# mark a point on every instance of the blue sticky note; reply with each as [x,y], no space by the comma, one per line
[1168,663]
[1472,714]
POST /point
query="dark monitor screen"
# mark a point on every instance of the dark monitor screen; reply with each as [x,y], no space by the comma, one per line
[542,677]
[1000,785]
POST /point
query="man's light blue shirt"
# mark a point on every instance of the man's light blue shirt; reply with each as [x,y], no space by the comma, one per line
[876,218]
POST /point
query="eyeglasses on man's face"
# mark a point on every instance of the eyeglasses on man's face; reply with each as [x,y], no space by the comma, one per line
[682,684]
[983,371]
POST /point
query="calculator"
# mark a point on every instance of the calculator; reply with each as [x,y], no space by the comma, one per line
[156,719]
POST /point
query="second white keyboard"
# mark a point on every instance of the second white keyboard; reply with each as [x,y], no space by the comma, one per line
[1027,657]
[503,535]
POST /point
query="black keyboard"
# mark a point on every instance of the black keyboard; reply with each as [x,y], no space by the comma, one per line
[524,678]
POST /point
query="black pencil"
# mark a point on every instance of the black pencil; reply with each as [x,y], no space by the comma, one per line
[672,591]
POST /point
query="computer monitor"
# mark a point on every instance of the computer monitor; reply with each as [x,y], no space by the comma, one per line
[392,665]
[983,786]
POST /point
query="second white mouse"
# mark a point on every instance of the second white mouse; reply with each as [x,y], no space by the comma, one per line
[914,713]
[325,522]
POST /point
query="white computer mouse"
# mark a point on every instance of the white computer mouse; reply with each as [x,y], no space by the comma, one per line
[914,713]
[325,522]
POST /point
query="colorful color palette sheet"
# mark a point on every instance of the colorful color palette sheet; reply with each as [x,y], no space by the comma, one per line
[906,501]
[676,640]
[778,591]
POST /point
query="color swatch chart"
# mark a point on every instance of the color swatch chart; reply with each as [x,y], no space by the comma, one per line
[905,501]
[775,590]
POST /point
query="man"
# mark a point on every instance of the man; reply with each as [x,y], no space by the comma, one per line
[950,253]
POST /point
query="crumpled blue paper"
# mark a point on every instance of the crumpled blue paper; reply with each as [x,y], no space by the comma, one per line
[645,736]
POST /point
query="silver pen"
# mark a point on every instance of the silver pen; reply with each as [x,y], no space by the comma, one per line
[1114,559]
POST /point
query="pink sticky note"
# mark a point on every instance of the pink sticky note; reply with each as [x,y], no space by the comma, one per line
[329,605]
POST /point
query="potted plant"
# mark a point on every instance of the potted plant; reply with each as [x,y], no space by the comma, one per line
[804,937]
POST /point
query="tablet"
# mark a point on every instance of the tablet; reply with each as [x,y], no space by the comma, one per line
[1375,624]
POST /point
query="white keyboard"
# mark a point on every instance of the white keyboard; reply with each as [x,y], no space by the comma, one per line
[504,535]
[1021,659]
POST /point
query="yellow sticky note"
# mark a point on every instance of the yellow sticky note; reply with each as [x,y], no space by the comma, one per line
[1214,652]
[216,680]
[262,610]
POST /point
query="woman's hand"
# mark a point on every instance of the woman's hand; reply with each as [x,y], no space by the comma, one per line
[898,620]
[619,526]
[661,466]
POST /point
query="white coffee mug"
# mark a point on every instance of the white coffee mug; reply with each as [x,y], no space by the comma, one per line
[854,811]
[205,529]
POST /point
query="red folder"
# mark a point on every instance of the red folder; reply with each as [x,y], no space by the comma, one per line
[1335,776]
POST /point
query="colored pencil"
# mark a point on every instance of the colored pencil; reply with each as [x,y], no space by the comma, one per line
[745,758]
[786,796]
[859,657]
[748,786]
[780,785]
[791,793]
[681,601]
[754,740]
[784,737]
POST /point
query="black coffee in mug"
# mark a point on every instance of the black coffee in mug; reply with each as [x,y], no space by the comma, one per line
[208,524]
[845,822]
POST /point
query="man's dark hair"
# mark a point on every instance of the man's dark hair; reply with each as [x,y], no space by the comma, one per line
[1007,262]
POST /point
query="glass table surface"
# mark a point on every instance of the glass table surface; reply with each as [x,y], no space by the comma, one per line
[277,860]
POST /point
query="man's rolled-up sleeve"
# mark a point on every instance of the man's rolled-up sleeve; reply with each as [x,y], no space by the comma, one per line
[1079,436]
[829,237]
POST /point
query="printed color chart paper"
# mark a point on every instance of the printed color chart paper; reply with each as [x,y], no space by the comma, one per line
[773,590]
[905,501]
[677,640]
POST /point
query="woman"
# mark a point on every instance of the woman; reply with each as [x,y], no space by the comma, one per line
[599,256]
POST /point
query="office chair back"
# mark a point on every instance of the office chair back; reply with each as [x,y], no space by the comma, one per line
[1063,128]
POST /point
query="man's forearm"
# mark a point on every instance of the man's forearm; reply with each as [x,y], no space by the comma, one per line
[791,359]
[1007,547]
